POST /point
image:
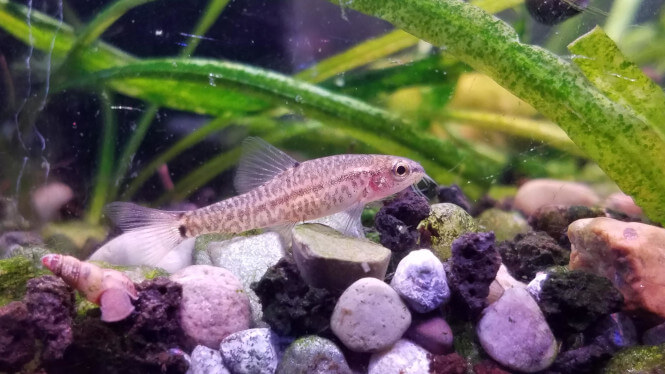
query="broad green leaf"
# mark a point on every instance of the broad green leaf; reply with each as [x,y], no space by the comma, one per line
[621,80]
[629,150]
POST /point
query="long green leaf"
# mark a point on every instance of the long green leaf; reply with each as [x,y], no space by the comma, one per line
[624,146]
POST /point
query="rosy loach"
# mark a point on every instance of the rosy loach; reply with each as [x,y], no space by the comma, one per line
[276,191]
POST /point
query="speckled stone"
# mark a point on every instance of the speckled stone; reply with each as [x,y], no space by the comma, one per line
[537,193]
[248,258]
[445,223]
[404,357]
[513,331]
[213,305]
[204,360]
[369,316]
[327,259]
[253,351]
[313,355]
[421,281]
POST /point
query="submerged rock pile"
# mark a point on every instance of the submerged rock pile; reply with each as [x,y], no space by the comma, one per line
[560,289]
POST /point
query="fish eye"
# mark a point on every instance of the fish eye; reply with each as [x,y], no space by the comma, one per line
[401,169]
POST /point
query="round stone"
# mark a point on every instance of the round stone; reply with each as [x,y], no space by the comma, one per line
[213,305]
[369,316]
[421,281]
[204,360]
[313,355]
[404,357]
[253,351]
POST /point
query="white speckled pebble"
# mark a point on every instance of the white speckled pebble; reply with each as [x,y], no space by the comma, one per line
[369,316]
[421,281]
[513,331]
[253,351]
[313,355]
[404,357]
[206,361]
[213,304]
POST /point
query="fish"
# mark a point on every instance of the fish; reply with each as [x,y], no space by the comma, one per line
[275,192]
[108,288]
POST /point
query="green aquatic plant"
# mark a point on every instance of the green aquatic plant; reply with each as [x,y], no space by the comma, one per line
[605,118]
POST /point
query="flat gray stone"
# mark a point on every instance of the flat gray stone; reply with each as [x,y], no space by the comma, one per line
[253,351]
[421,281]
[328,259]
[404,357]
[248,258]
[513,331]
[369,316]
[204,360]
[313,355]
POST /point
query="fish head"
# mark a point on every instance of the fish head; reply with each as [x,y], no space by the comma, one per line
[391,175]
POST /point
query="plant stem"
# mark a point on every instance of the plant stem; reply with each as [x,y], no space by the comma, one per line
[105,165]
[621,16]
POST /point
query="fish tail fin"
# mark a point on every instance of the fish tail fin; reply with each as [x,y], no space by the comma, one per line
[159,231]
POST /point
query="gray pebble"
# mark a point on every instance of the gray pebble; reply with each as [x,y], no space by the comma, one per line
[513,331]
[369,316]
[404,357]
[313,355]
[421,281]
[204,360]
[253,351]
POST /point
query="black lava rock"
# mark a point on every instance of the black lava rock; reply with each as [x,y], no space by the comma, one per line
[50,303]
[290,306]
[587,359]
[654,335]
[473,266]
[554,220]
[572,301]
[396,221]
[454,195]
[530,253]
[17,341]
[157,314]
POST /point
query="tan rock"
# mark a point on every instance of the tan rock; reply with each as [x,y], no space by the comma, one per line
[542,192]
[630,254]
[623,203]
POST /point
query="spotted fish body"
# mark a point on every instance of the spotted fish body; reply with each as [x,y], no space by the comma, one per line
[276,190]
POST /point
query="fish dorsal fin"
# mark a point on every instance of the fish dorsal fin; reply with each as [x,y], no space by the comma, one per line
[259,163]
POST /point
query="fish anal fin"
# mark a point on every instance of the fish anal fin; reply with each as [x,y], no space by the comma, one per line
[259,163]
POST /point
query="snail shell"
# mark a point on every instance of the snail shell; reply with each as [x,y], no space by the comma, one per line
[108,288]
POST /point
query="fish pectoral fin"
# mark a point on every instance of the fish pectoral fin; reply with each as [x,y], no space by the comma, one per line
[115,304]
[285,232]
[259,163]
[347,222]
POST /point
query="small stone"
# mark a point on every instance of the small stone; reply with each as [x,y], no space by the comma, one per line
[530,253]
[629,254]
[638,360]
[448,364]
[615,331]
[49,198]
[204,360]
[290,306]
[369,316]
[253,351]
[327,259]
[313,355]
[453,195]
[622,203]
[404,357]
[445,223]
[513,331]
[13,241]
[433,334]
[586,359]
[214,304]
[248,258]
[505,225]
[555,219]
[474,265]
[572,301]
[540,192]
[421,281]
[654,335]
[50,303]
[396,221]
[17,342]
[502,282]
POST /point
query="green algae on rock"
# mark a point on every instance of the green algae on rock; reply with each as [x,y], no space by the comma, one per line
[446,222]
[638,360]
[504,224]
[14,274]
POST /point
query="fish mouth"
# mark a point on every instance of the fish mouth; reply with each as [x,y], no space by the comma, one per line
[428,185]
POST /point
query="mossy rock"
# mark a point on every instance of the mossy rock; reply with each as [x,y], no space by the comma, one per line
[504,224]
[14,274]
[638,360]
[445,223]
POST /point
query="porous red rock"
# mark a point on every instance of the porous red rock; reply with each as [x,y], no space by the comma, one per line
[630,254]
[537,193]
